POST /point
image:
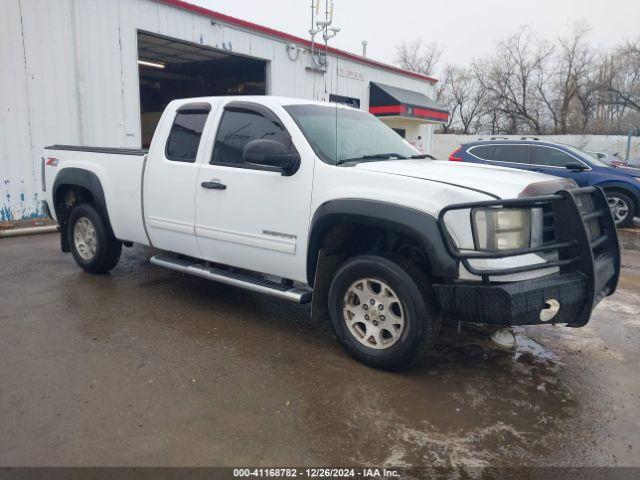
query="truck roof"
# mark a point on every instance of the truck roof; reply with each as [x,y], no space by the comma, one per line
[264,99]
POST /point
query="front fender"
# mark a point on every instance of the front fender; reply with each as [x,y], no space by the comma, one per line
[418,225]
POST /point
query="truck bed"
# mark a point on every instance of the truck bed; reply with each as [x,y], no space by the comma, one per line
[119,173]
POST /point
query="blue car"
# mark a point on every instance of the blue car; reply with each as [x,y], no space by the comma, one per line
[621,184]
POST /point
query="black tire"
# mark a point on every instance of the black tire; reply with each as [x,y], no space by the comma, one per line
[107,247]
[412,288]
[628,201]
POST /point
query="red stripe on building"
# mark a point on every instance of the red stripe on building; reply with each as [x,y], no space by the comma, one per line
[425,112]
[416,112]
[388,109]
[291,38]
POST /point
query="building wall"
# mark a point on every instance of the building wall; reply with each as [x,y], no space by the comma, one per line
[69,74]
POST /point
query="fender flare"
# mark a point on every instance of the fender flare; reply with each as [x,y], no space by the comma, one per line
[87,180]
[418,225]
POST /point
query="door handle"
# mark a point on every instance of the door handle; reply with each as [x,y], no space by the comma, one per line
[214,185]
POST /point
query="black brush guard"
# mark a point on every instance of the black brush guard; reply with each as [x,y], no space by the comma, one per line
[580,240]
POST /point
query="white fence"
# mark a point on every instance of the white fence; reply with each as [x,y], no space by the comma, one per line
[444,144]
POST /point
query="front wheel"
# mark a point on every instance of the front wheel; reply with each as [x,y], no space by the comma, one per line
[382,312]
[93,246]
[622,208]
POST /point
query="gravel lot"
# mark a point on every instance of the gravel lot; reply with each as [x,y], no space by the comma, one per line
[151,367]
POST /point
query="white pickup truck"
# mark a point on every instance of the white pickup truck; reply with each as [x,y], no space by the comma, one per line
[313,202]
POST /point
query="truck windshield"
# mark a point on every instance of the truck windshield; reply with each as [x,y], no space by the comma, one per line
[342,135]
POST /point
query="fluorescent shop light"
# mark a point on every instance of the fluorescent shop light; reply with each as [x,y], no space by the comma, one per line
[147,63]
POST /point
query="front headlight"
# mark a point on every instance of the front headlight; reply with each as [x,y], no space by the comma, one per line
[501,228]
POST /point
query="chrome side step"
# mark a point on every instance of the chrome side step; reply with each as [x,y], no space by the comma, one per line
[248,282]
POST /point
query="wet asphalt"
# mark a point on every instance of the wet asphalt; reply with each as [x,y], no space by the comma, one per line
[151,367]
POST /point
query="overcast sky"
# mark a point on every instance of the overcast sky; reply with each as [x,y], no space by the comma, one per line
[465,28]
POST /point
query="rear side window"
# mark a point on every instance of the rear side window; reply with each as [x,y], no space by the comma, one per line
[511,153]
[483,152]
[238,127]
[551,157]
[184,137]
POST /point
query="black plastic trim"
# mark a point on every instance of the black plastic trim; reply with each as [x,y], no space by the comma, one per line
[107,150]
[196,106]
[420,226]
[87,180]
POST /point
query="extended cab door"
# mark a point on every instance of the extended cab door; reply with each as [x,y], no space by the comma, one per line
[246,215]
[171,178]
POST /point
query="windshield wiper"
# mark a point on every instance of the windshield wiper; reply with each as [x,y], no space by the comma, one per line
[374,156]
[422,156]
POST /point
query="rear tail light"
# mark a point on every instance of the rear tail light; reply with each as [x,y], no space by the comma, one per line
[454,156]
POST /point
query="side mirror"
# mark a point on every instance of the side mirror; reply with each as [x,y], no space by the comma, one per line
[576,167]
[271,155]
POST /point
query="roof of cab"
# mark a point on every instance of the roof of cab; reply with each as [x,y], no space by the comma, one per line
[284,101]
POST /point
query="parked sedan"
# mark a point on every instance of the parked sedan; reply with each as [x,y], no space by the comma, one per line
[621,184]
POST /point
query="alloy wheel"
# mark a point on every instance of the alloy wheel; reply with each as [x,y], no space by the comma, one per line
[373,313]
[619,209]
[85,238]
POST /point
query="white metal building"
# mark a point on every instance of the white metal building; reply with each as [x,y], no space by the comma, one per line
[99,73]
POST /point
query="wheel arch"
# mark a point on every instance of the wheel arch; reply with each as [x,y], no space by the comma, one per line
[83,183]
[416,225]
[621,187]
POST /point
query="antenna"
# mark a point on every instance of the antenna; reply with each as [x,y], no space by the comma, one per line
[325,26]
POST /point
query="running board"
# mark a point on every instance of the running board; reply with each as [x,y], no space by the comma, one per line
[248,282]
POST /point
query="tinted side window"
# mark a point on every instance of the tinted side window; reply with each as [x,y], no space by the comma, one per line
[511,153]
[483,152]
[551,157]
[238,127]
[184,137]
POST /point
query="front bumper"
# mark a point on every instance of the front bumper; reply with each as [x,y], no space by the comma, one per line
[585,249]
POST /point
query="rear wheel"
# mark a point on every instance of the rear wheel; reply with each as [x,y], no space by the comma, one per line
[93,246]
[622,208]
[381,311]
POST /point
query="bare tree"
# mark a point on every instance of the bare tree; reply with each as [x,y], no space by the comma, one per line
[465,98]
[572,66]
[622,78]
[443,98]
[419,58]
[532,86]
[517,68]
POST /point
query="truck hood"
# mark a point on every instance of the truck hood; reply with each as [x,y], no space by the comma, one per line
[494,181]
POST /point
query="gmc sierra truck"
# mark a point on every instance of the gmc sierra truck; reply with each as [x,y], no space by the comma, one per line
[315,202]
